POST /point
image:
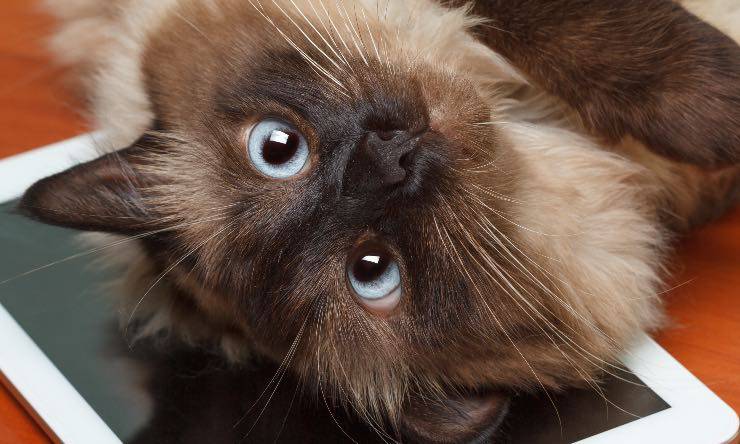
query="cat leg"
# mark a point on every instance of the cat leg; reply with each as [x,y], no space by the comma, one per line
[646,69]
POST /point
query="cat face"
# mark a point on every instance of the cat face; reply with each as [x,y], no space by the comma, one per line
[357,191]
[328,187]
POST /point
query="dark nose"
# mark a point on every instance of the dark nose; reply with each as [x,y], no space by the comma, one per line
[380,161]
[388,151]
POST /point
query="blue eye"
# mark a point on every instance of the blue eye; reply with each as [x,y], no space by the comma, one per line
[375,276]
[277,149]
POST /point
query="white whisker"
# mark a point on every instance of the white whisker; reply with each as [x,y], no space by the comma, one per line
[170,268]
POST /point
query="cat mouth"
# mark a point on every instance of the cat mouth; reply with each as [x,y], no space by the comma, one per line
[458,417]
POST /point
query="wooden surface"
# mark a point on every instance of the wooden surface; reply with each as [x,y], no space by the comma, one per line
[37,109]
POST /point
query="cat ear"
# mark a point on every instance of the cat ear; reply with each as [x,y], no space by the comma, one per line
[645,68]
[105,194]
[471,417]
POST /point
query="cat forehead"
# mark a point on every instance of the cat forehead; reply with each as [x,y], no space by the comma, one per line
[329,35]
[348,64]
[368,26]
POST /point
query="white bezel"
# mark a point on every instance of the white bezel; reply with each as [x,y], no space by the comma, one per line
[696,414]
[55,402]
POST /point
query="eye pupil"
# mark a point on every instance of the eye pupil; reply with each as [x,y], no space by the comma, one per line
[280,147]
[277,149]
[370,266]
[374,275]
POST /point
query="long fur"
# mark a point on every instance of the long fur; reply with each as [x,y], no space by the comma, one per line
[591,220]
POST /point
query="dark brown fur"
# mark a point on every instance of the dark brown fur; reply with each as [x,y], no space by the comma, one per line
[646,68]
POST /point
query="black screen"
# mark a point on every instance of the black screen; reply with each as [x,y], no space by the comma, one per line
[154,392]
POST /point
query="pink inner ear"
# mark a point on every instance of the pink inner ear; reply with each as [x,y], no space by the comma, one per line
[457,418]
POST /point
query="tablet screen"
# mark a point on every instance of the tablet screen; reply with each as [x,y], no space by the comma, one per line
[153,392]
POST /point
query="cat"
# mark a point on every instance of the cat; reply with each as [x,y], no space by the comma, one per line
[417,207]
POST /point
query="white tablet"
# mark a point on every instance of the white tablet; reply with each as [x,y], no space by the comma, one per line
[61,352]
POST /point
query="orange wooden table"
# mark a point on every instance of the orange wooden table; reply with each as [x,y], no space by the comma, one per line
[36,109]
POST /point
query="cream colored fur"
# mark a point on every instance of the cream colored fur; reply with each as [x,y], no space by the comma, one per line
[722,14]
[105,40]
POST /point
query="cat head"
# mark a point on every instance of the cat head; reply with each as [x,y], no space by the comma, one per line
[338,186]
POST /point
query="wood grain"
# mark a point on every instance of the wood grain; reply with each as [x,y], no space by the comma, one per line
[36,109]
[17,426]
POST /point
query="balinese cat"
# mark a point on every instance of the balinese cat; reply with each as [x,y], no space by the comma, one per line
[417,207]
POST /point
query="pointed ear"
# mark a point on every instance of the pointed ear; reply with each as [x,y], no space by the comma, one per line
[105,194]
[469,417]
[645,68]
